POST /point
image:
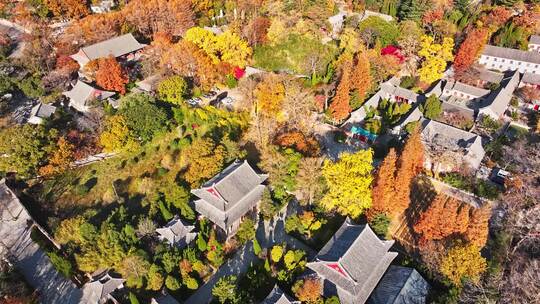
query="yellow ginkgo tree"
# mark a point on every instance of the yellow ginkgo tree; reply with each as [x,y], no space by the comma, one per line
[435,56]
[227,47]
[349,183]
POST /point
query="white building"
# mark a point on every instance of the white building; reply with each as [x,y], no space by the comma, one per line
[125,45]
[534,43]
[40,112]
[505,59]
[104,6]
[387,91]
[177,233]
[530,80]
[82,95]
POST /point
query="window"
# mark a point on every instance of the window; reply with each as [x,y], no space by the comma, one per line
[511,61]
[502,60]
[519,63]
[495,59]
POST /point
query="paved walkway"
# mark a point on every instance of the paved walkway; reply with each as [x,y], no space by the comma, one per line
[268,233]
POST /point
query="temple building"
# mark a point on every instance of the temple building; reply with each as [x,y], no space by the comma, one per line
[230,196]
[277,296]
[352,263]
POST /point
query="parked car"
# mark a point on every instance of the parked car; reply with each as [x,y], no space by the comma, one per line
[227,101]
[500,176]
[194,101]
[209,94]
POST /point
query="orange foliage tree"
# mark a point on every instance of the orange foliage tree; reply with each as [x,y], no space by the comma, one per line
[361,75]
[410,164]
[168,16]
[68,8]
[444,217]
[111,76]
[470,49]
[60,159]
[270,93]
[497,17]
[383,190]
[431,16]
[477,232]
[186,59]
[256,31]
[340,106]
[297,140]
[308,290]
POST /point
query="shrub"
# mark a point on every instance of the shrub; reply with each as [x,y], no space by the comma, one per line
[133,299]
[246,231]
[407,82]
[339,137]
[173,89]
[191,283]
[485,189]
[161,171]
[490,124]
[61,264]
[379,224]
[81,190]
[172,283]
[231,81]
[256,247]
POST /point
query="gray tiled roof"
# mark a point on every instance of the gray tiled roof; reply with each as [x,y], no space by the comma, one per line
[490,76]
[388,87]
[100,288]
[498,101]
[230,194]
[277,296]
[177,232]
[164,299]
[465,88]
[513,54]
[150,83]
[438,135]
[413,115]
[82,92]
[531,78]
[535,39]
[232,184]
[362,257]
[116,47]
[28,258]
[399,91]
[43,110]
[224,218]
[400,285]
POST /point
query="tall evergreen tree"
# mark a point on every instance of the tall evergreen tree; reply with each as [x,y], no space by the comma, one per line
[361,76]
[412,9]
[340,106]
[383,191]
[410,164]
[477,232]
[444,217]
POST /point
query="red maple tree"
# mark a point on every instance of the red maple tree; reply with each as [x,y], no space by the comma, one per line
[111,76]
[470,49]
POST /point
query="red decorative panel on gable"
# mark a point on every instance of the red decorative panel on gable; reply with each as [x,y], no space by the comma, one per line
[213,192]
[337,268]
